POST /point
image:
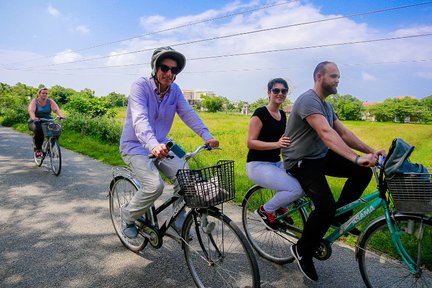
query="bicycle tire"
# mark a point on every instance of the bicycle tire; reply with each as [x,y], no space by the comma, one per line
[380,264]
[55,156]
[272,245]
[218,254]
[121,192]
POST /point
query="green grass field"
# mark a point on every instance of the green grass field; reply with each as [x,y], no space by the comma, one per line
[231,131]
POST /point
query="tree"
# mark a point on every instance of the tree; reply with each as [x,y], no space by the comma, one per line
[427,101]
[213,103]
[60,94]
[399,109]
[258,103]
[89,105]
[117,100]
[264,101]
[347,107]
[382,112]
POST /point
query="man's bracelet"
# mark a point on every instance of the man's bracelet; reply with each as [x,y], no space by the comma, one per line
[356,160]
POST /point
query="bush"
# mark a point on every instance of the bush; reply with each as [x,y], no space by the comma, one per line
[104,128]
[15,115]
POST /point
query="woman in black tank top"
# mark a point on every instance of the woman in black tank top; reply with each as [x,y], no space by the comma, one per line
[264,166]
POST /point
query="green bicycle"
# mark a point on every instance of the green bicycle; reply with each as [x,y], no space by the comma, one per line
[394,250]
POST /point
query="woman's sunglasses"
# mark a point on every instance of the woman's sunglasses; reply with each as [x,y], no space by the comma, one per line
[165,69]
[277,91]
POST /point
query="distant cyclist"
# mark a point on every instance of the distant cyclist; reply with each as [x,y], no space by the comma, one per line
[264,166]
[152,105]
[41,107]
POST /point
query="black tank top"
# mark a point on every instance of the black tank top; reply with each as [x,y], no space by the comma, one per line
[271,131]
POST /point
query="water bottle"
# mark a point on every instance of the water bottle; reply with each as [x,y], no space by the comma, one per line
[176,149]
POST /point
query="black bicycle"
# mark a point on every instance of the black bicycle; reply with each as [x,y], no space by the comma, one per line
[216,251]
[50,146]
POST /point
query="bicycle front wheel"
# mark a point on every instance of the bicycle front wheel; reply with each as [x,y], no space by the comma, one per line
[380,263]
[55,157]
[38,160]
[122,191]
[216,252]
[272,245]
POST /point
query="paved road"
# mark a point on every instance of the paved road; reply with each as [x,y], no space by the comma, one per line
[56,232]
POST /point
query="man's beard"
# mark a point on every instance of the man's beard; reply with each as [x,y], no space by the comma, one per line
[329,90]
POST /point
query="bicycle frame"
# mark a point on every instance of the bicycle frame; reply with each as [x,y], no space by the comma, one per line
[128,174]
[156,211]
[375,202]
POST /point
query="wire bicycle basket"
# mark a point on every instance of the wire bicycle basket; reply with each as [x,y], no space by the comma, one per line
[51,129]
[411,192]
[208,186]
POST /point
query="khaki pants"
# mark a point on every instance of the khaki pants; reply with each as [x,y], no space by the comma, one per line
[147,171]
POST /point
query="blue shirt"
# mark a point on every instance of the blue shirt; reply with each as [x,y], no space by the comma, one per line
[43,111]
[149,119]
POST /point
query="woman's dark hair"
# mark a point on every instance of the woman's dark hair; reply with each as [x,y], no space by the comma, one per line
[272,82]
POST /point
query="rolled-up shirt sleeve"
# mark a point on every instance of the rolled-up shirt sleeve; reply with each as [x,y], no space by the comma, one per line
[139,107]
[191,118]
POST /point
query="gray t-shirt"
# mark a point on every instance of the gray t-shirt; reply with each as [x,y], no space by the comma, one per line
[305,142]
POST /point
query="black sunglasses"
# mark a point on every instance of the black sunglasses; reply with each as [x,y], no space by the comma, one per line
[277,91]
[165,69]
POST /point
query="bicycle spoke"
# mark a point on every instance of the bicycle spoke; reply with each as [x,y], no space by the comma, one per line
[273,245]
[121,193]
[219,257]
[380,263]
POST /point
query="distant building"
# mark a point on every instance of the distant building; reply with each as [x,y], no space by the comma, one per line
[194,97]
[245,109]
[403,97]
[366,115]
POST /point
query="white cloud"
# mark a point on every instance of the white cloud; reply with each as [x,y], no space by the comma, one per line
[66,56]
[83,29]
[244,77]
[53,11]
[412,31]
[425,75]
[368,77]
[151,21]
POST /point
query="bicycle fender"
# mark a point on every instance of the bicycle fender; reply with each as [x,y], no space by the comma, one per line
[251,190]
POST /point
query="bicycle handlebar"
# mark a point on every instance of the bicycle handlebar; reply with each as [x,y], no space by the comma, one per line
[192,154]
[189,155]
[50,119]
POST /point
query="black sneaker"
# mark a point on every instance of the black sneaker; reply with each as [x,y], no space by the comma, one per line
[353,232]
[305,264]
[268,219]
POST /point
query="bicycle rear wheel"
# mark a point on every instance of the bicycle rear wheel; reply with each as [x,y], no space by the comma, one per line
[216,252]
[122,191]
[55,156]
[381,265]
[272,245]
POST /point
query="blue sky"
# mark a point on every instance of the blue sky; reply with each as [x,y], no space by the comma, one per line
[89,44]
